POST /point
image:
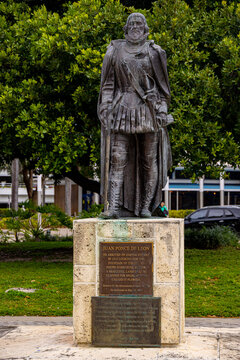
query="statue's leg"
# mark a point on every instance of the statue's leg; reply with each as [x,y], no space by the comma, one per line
[119,157]
[148,146]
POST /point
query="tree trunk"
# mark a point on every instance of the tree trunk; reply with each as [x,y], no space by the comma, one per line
[43,190]
[87,184]
[15,183]
[68,196]
[28,181]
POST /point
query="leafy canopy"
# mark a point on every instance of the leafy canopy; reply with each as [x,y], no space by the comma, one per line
[50,76]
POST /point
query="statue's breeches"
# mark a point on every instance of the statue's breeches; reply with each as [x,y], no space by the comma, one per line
[147,145]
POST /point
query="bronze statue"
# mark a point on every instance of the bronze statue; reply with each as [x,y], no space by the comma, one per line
[133,105]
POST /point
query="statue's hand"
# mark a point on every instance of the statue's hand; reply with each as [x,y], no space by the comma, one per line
[161,112]
[163,117]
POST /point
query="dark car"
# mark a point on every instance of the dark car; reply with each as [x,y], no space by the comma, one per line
[214,215]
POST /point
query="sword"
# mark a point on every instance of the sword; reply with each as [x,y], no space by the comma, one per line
[106,170]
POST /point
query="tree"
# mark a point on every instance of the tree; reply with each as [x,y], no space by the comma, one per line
[40,89]
[201,141]
[138,4]
[50,78]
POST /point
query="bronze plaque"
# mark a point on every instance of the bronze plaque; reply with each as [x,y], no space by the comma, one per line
[126,268]
[126,321]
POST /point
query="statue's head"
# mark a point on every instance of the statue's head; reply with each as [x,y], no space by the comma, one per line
[136,28]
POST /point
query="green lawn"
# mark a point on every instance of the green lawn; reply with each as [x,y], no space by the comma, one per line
[212,286]
[52,279]
[212,280]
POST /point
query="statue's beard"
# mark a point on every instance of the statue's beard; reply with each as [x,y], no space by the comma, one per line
[139,40]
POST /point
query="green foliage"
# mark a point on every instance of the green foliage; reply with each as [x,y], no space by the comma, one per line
[4,236]
[210,238]
[50,79]
[94,211]
[49,237]
[14,224]
[179,213]
[50,84]
[26,220]
[201,140]
[61,218]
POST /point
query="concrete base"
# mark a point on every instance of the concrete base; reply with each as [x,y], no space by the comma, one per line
[167,236]
[55,342]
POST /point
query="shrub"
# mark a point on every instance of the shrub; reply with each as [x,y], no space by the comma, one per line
[61,218]
[26,220]
[2,212]
[210,238]
[94,211]
[179,213]
[47,236]
[4,236]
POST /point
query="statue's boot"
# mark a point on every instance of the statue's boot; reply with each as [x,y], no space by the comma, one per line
[147,199]
[114,198]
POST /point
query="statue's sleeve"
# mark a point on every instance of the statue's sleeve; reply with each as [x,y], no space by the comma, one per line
[107,84]
[159,63]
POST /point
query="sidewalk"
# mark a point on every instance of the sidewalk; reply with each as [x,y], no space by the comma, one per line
[35,338]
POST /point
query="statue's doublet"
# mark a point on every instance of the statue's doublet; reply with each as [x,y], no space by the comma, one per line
[130,112]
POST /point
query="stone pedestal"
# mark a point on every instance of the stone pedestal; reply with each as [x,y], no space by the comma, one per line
[167,236]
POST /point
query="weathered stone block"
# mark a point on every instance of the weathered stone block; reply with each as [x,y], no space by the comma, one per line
[170,313]
[117,229]
[82,313]
[143,230]
[84,273]
[84,243]
[167,252]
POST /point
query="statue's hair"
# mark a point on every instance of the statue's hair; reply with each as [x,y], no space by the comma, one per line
[146,28]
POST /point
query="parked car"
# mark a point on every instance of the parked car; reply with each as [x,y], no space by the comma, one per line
[214,215]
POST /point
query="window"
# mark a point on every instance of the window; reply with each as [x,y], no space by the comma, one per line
[199,214]
[215,213]
[235,198]
[211,198]
[228,212]
[237,212]
[187,199]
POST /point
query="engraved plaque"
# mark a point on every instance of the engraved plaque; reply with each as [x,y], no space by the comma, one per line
[126,321]
[126,268]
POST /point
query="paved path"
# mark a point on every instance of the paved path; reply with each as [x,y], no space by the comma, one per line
[51,338]
[67,320]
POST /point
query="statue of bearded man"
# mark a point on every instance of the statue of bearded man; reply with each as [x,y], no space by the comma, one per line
[133,105]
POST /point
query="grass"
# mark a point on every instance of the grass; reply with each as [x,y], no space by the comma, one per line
[49,249]
[44,271]
[212,280]
[54,284]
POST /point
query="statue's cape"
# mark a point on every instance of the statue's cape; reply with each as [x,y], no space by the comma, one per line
[131,194]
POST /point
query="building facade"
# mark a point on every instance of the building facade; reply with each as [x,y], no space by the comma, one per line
[181,193]
[6,190]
